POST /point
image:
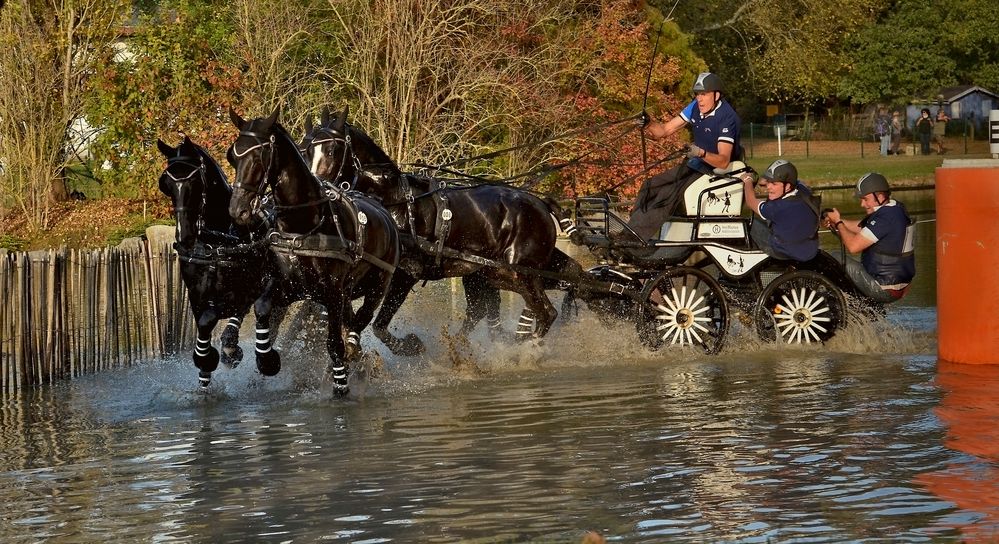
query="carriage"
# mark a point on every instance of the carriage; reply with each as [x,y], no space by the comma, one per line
[684,287]
[356,226]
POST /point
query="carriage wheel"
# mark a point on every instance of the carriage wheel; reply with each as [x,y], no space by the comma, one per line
[800,307]
[683,306]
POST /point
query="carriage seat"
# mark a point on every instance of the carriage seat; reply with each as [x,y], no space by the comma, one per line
[711,208]
[718,194]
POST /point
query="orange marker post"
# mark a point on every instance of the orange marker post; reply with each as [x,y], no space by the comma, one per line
[967,203]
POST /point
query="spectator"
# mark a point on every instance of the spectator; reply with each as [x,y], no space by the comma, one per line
[939,129]
[896,132]
[884,238]
[924,128]
[882,130]
[788,220]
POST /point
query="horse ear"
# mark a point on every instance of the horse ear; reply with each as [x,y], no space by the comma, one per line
[274,117]
[308,125]
[187,140]
[165,149]
[324,118]
[342,120]
[235,118]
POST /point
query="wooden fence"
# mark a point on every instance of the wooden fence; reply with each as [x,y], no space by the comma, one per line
[65,313]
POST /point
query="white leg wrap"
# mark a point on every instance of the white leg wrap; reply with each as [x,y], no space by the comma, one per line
[353,338]
[339,373]
[494,323]
[263,341]
[201,348]
[525,325]
[234,322]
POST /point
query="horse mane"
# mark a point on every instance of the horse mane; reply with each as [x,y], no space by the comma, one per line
[213,165]
[281,132]
[378,155]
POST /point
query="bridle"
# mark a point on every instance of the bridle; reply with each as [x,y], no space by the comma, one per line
[263,141]
[333,137]
[197,165]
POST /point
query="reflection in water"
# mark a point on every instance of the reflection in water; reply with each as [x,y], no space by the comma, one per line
[544,442]
[969,411]
[585,431]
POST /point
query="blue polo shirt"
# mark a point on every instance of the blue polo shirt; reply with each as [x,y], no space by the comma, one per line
[793,224]
[890,260]
[721,124]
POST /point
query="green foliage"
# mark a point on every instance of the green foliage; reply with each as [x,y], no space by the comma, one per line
[12,243]
[901,57]
[775,51]
[919,48]
[173,76]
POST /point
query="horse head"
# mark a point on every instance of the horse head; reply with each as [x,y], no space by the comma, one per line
[183,181]
[344,155]
[255,158]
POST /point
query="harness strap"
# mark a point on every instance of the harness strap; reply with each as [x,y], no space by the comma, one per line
[575,279]
[442,226]
[407,191]
[326,246]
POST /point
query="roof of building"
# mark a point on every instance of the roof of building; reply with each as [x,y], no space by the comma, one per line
[952,94]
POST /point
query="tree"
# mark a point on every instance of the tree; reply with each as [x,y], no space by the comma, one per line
[620,49]
[786,51]
[440,81]
[50,50]
[918,48]
[281,52]
[174,75]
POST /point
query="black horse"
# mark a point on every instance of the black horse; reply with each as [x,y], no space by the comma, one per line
[493,236]
[224,269]
[330,246]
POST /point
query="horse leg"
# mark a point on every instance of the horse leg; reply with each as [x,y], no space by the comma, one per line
[567,267]
[399,289]
[336,304]
[232,354]
[362,318]
[481,300]
[542,312]
[268,359]
[205,356]
[525,324]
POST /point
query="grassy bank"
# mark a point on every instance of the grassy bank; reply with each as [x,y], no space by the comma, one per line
[845,170]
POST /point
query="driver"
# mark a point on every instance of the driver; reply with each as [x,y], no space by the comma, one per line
[884,238]
[716,128]
[787,227]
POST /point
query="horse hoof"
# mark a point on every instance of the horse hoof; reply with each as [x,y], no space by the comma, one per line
[231,357]
[351,353]
[340,391]
[268,362]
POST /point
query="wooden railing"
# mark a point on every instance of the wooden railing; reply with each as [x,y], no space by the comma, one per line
[66,313]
